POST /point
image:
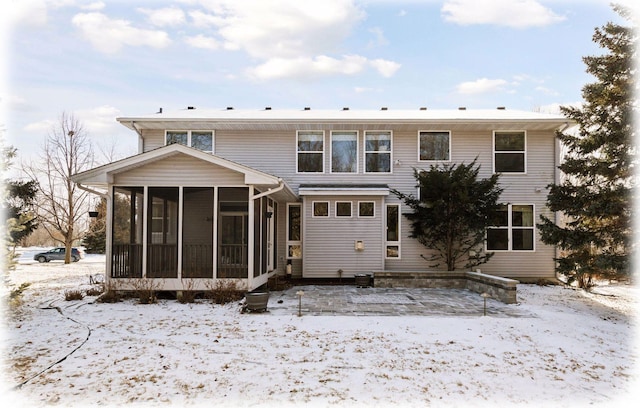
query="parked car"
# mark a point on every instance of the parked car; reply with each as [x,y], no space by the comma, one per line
[57,254]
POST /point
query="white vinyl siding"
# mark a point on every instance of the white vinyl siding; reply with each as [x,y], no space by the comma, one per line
[329,242]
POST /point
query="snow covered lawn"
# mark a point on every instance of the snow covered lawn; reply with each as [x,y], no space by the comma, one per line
[579,349]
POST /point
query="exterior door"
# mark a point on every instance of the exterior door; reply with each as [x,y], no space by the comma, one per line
[233,235]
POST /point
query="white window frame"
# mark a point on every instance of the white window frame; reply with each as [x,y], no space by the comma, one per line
[331,151]
[290,242]
[313,208]
[397,243]
[188,132]
[524,152]
[324,144]
[420,132]
[510,227]
[367,216]
[350,209]
[367,152]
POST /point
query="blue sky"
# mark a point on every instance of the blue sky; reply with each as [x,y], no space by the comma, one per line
[104,59]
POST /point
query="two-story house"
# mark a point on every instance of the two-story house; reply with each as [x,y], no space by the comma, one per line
[240,194]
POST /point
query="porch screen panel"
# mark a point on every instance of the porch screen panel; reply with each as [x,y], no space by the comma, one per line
[233,232]
[126,243]
[197,232]
[162,235]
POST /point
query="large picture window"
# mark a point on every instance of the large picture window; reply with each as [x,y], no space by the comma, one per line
[434,146]
[344,152]
[509,152]
[310,151]
[201,140]
[512,230]
[377,151]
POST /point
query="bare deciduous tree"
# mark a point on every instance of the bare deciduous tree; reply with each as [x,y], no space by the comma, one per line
[61,204]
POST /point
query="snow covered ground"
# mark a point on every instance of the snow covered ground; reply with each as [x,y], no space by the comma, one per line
[578,349]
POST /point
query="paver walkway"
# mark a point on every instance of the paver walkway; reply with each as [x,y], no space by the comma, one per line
[346,300]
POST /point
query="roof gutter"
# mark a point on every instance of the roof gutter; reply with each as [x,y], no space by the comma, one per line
[270,191]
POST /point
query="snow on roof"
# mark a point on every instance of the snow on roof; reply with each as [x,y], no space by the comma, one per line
[344,114]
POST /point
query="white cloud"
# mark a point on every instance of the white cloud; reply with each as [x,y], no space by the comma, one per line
[482,85]
[42,126]
[307,67]
[280,28]
[386,68]
[110,35]
[511,13]
[98,5]
[379,38]
[168,16]
[547,91]
[201,41]
[24,12]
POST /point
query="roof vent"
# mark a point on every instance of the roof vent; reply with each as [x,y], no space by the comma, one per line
[229,107]
[159,111]
[501,108]
[307,108]
[345,108]
[384,108]
[190,108]
[423,108]
[267,108]
[462,108]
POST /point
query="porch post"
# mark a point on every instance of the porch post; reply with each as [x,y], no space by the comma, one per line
[215,232]
[251,243]
[180,231]
[145,217]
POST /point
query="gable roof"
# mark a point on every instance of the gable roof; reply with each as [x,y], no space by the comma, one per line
[103,175]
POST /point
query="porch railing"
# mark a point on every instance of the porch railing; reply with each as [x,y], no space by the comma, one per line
[232,261]
[162,261]
[126,261]
[197,261]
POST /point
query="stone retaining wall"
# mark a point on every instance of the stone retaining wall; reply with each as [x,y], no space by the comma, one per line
[502,289]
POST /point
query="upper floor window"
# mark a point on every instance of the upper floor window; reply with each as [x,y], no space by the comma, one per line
[377,152]
[434,145]
[513,229]
[509,152]
[310,152]
[201,140]
[344,152]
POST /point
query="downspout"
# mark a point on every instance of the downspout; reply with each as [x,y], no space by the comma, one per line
[140,138]
[270,191]
[281,185]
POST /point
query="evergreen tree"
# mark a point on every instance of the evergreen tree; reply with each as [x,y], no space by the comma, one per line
[595,196]
[452,213]
[95,239]
[18,199]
